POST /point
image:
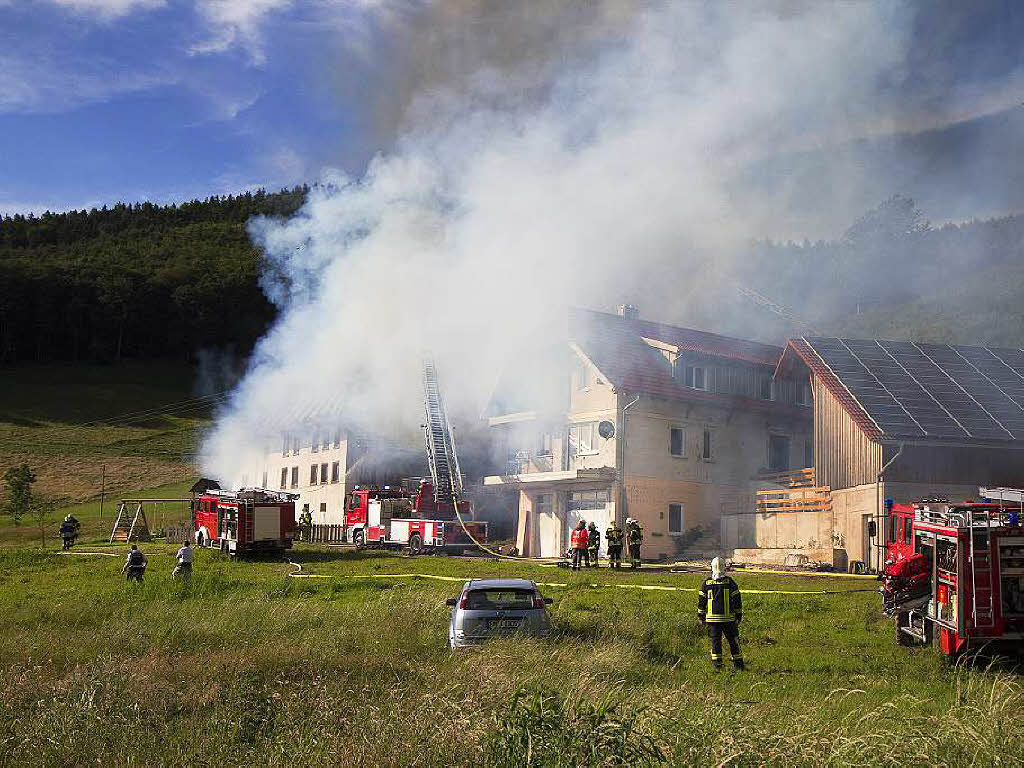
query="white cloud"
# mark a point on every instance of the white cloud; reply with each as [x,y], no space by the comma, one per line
[37,85]
[236,22]
[109,9]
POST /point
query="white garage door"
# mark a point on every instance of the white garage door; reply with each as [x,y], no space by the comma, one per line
[591,506]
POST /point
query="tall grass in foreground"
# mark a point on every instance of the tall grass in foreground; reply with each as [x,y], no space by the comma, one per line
[247,666]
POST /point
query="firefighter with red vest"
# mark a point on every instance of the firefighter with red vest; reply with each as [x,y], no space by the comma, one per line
[578,544]
[720,608]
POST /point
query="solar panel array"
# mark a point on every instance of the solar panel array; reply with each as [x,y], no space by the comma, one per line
[931,391]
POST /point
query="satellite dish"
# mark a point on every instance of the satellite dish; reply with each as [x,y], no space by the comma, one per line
[606,429]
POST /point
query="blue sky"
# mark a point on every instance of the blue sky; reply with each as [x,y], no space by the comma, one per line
[164,100]
[106,100]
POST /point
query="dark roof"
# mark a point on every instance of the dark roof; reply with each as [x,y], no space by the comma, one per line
[903,390]
[616,345]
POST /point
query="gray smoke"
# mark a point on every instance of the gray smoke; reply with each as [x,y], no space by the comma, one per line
[595,172]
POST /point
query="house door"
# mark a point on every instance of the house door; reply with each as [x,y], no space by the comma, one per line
[549,534]
[591,506]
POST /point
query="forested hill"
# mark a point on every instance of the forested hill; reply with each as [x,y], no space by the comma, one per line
[138,280]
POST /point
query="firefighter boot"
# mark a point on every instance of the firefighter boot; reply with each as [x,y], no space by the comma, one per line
[737,662]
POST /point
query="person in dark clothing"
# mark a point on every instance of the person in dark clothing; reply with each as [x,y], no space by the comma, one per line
[720,608]
[614,538]
[134,567]
[69,531]
[593,543]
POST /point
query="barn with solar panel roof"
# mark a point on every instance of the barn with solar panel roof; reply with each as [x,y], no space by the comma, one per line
[892,420]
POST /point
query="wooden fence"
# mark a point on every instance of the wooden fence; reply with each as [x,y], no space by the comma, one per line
[322,533]
[794,478]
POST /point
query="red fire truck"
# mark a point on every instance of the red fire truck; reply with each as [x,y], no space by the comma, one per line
[251,520]
[391,518]
[954,574]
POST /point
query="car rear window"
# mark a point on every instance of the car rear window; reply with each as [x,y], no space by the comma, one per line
[489,599]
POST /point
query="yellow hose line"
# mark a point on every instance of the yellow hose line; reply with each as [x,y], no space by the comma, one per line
[649,587]
[819,574]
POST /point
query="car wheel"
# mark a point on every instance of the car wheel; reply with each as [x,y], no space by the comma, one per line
[357,539]
[415,544]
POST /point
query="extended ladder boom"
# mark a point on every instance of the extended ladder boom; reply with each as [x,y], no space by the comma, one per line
[444,464]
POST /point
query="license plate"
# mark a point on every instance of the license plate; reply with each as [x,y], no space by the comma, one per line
[505,625]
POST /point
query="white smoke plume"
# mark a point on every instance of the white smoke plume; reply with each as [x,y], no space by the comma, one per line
[475,231]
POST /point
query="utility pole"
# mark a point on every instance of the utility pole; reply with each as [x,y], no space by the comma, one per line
[103,488]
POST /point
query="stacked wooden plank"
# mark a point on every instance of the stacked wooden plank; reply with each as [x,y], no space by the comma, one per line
[809,499]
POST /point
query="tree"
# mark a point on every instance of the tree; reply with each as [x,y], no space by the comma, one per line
[18,491]
[895,219]
[40,510]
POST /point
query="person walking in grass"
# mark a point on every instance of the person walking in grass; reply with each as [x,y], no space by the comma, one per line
[720,609]
[183,558]
[134,567]
[68,531]
[578,544]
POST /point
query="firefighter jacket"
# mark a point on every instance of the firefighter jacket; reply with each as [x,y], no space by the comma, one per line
[593,538]
[719,601]
[613,536]
[635,535]
[578,539]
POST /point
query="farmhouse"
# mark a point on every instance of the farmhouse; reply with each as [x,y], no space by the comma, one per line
[892,420]
[667,425]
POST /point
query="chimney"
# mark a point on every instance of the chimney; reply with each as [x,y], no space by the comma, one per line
[627,311]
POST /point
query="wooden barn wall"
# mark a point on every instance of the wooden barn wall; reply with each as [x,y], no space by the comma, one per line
[843,456]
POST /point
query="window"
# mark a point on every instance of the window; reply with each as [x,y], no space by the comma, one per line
[908,530]
[706,446]
[586,500]
[677,441]
[336,472]
[579,375]
[890,528]
[314,444]
[803,394]
[284,477]
[295,477]
[314,471]
[675,518]
[323,508]
[778,453]
[323,473]
[264,479]
[583,438]
[766,387]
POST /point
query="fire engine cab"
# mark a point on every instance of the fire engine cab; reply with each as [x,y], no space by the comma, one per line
[250,520]
[954,573]
[390,518]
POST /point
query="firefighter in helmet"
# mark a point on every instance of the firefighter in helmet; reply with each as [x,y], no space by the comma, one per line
[634,538]
[578,545]
[613,536]
[593,543]
[134,567]
[720,608]
[305,523]
[69,531]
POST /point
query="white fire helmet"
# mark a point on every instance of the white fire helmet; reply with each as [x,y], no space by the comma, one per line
[716,568]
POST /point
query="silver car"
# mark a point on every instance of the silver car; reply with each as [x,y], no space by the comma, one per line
[492,607]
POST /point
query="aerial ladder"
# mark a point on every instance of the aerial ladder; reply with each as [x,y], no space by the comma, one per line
[437,431]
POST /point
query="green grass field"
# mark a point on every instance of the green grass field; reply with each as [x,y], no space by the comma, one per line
[85,426]
[248,665]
